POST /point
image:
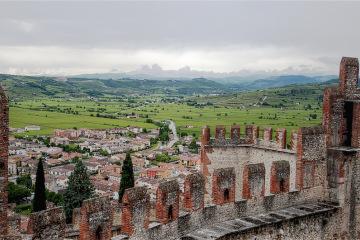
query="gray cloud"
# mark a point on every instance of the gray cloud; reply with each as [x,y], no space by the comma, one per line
[74,37]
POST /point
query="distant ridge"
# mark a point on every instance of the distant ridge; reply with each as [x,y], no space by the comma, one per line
[30,86]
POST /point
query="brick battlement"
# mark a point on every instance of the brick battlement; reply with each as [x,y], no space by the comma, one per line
[172,222]
[250,138]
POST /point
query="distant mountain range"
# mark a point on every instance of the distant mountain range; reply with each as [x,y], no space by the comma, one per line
[29,86]
[156,72]
[279,81]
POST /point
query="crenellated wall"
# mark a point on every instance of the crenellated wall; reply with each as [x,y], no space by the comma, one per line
[96,219]
[248,153]
[135,211]
[47,224]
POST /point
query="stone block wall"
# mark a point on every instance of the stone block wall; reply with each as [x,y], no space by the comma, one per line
[349,73]
[293,140]
[223,186]
[194,192]
[205,136]
[76,218]
[220,134]
[96,219]
[135,210]
[254,181]
[4,142]
[355,135]
[311,151]
[268,134]
[235,134]
[251,134]
[280,177]
[167,201]
[281,137]
[47,224]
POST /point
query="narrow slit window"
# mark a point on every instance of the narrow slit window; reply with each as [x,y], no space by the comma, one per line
[170,213]
[226,195]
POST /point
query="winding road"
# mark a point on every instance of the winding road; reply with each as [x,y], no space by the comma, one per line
[175,138]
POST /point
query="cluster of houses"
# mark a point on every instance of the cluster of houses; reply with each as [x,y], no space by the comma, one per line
[102,152]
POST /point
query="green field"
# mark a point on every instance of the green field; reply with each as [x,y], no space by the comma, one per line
[51,114]
[106,103]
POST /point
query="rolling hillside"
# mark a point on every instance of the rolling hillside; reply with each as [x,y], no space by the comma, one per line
[20,87]
[28,86]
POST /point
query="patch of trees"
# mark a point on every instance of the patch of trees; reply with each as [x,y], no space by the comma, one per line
[312,115]
[193,147]
[307,107]
[24,180]
[163,157]
[103,152]
[164,132]
[72,148]
[105,116]
[153,141]
[17,193]
[56,198]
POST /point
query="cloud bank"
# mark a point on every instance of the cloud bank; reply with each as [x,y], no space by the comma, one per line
[62,38]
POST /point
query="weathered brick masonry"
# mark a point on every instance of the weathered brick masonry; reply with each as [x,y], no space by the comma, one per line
[96,219]
[167,201]
[194,192]
[4,142]
[47,224]
[135,210]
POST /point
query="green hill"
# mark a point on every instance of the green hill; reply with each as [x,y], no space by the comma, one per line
[290,96]
[29,86]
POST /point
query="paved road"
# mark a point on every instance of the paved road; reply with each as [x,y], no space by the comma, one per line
[172,127]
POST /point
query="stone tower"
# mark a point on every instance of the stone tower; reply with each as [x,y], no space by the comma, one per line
[341,122]
[4,140]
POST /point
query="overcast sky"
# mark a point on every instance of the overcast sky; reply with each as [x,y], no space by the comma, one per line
[88,37]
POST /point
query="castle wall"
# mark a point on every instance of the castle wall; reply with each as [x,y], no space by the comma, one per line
[194,192]
[47,224]
[311,227]
[135,211]
[4,142]
[96,219]
[167,201]
[240,156]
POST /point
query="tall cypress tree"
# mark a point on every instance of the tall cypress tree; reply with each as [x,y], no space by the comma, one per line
[39,202]
[79,189]
[127,176]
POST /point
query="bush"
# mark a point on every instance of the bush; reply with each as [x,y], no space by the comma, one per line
[17,193]
[25,180]
[193,147]
[148,120]
[55,198]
